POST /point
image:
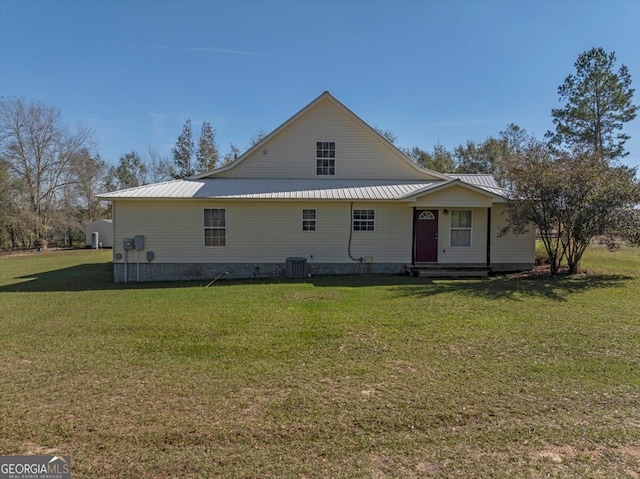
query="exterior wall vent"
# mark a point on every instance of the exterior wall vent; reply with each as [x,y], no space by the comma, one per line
[296,268]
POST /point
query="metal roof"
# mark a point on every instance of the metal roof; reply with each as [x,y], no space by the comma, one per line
[286,189]
[237,188]
[485,181]
[478,180]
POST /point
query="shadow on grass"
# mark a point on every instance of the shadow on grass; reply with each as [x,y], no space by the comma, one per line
[518,288]
[99,276]
[82,277]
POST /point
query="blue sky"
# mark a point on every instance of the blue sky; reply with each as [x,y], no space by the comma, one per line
[432,72]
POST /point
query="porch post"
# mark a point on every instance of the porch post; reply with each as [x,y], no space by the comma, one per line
[489,237]
[413,236]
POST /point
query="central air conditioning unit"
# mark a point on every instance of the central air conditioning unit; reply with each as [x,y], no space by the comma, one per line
[296,268]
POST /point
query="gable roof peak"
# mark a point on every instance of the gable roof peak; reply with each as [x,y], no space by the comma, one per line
[326,95]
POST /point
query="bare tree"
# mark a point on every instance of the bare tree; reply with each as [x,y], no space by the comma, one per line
[40,150]
[89,171]
[389,135]
[257,137]
[158,166]
[231,156]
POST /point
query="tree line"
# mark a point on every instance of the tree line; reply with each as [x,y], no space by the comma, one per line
[51,173]
[569,184]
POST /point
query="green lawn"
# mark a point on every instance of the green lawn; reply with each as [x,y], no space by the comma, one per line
[372,377]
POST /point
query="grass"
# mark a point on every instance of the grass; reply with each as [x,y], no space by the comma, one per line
[376,377]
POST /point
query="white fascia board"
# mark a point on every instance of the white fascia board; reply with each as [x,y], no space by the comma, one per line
[413,196]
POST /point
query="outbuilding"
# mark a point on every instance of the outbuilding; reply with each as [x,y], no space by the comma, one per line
[104,230]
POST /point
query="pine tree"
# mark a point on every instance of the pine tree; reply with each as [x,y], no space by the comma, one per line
[129,173]
[183,153]
[207,155]
[597,104]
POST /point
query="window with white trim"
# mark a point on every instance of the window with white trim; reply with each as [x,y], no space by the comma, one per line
[364,220]
[215,227]
[309,217]
[460,228]
[325,158]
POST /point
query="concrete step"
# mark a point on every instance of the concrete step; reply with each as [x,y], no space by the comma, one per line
[448,271]
[451,273]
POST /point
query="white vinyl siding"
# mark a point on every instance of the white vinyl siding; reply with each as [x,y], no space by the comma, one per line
[280,233]
[292,152]
[510,248]
[454,197]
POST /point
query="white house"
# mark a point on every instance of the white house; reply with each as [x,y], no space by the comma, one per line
[104,228]
[326,191]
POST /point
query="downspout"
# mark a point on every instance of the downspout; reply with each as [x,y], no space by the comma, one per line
[113,246]
[126,256]
[489,237]
[359,260]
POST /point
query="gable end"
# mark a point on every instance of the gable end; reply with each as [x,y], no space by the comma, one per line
[291,150]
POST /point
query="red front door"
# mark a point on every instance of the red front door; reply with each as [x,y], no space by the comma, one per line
[426,241]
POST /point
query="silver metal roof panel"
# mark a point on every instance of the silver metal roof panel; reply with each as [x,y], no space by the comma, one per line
[312,189]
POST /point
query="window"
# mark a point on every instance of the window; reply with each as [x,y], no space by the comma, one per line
[215,227]
[325,158]
[364,220]
[461,228]
[308,220]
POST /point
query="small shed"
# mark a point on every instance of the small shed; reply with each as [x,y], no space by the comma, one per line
[104,228]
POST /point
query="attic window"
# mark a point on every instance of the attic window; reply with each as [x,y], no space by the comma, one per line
[325,158]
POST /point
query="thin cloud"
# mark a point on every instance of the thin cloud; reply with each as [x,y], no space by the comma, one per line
[190,49]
